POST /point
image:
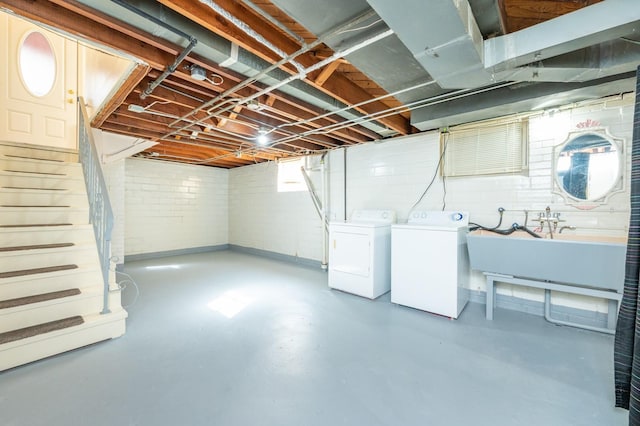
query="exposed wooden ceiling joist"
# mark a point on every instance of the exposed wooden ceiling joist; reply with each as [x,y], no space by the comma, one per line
[334,85]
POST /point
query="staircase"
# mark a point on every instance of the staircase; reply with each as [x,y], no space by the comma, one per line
[51,282]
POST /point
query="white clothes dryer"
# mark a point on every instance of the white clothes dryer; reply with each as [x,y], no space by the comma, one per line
[360,253]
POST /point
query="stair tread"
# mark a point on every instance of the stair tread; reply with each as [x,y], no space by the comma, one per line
[37,271]
[23,333]
[36,225]
[27,300]
[55,160]
[35,173]
[31,206]
[26,188]
[36,247]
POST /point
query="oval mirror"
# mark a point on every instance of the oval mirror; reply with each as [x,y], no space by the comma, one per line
[588,166]
[37,64]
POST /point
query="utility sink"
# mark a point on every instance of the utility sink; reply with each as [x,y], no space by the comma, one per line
[589,261]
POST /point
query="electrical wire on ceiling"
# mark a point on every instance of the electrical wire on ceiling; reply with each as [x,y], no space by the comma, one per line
[360,28]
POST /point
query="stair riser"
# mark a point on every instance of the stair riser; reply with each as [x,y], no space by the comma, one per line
[43,216]
[58,198]
[52,310]
[38,152]
[73,170]
[24,181]
[29,259]
[28,350]
[14,237]
[10,288]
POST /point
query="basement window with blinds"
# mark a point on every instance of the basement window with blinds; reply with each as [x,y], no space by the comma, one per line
[488,148]
[290,177]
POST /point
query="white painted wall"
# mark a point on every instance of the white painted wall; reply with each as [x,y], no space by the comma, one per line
[174,206]
[260,217]
[393,174]
[100,74]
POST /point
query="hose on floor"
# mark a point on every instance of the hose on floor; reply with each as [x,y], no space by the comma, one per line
[125,282]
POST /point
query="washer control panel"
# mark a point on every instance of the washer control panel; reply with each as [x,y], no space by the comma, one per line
[439,218]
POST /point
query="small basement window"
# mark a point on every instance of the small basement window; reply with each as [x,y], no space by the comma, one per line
[290,177]
[488,148]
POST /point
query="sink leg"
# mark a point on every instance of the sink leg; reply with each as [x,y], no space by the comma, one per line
[612,315]
[491,294]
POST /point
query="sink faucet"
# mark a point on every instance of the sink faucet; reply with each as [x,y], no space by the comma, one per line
[570,228]
[549,218]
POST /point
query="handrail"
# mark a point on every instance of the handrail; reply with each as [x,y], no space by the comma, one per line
[100,211]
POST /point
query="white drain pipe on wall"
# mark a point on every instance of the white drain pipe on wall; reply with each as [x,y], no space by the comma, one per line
[325,206]
[320,205]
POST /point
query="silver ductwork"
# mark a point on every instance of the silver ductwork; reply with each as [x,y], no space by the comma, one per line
[518,98]
[589,26]
[444,38]
[448,44]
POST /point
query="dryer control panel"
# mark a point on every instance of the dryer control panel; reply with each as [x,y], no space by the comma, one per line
[373,216]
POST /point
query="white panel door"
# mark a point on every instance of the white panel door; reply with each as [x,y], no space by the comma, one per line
[350,253]
[44,114]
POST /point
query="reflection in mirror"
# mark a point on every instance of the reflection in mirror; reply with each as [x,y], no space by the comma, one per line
[588,166]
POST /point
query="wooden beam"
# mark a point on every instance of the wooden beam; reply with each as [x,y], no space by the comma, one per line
[270,100]
[326,72]
[232,116]
[520,14]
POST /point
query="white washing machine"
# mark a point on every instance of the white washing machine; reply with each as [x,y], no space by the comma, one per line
[360,253]
[430,263]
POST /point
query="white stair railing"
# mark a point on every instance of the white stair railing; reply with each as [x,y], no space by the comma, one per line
[100,212]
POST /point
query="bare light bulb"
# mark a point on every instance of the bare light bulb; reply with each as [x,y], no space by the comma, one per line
[262,138]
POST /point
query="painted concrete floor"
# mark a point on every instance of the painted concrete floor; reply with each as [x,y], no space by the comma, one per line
[297,353]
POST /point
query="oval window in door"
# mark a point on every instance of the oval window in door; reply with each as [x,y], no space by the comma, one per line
[37,64]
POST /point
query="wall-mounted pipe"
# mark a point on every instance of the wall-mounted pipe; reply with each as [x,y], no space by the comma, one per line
[344,176]
[317,203]
[325,207]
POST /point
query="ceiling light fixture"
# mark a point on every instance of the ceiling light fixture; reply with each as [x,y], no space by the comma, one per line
[254,105]
[198,73]
[136,108]
[262,138]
